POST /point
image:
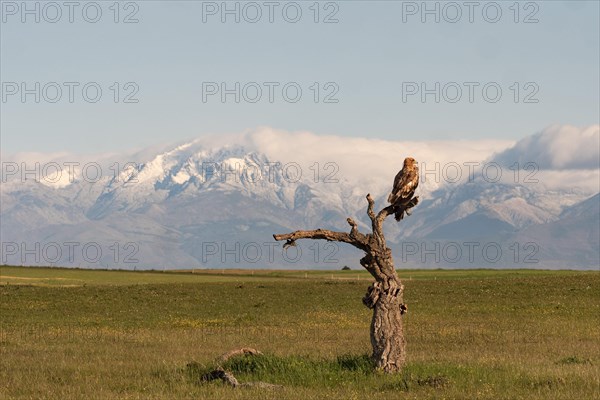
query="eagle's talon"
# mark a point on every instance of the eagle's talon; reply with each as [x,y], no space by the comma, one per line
[289,243]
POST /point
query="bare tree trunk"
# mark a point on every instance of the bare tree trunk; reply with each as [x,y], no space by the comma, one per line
[387,332]
[385,295]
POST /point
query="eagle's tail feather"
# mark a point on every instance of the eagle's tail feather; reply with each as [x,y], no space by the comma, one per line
[405,208]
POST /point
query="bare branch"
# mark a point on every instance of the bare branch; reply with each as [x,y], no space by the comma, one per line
[353,224]
[355,234]
[315,234]
[370,208]
[377,220]
[228,378]
[354,238]
[247,351]
[384,213]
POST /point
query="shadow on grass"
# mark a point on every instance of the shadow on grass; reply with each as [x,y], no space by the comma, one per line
[574,360]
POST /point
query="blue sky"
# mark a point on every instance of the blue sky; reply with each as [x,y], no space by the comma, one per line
[368,61]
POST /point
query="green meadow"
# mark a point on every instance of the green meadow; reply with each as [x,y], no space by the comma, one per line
[471,334]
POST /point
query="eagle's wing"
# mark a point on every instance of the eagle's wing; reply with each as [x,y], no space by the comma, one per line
[396,187]
[405,184]
[408,183]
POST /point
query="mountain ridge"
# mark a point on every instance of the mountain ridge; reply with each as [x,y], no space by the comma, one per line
[178,205]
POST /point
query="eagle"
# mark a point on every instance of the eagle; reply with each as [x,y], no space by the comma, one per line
[406,182]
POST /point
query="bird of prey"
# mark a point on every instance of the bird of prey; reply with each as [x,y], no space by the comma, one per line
[405,184]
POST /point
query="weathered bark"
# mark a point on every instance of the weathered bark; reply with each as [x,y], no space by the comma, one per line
[385,295]
[228,378]
[387,331]
[221,374]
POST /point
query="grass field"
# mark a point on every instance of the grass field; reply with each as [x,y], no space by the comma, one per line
[472,334]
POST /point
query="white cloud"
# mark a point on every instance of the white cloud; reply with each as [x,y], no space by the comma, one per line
[557,147]
[567,157]
[369,163]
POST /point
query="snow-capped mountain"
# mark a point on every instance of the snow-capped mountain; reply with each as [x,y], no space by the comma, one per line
[199,204]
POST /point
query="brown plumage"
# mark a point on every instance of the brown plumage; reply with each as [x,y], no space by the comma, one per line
[405,184]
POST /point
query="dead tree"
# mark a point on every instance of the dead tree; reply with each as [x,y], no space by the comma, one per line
[385,295]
